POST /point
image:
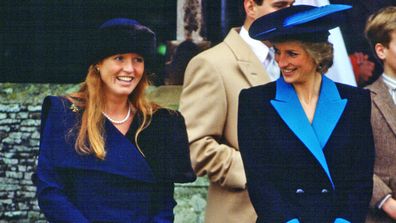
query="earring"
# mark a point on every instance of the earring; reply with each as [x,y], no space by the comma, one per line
[320,68]
[97,69]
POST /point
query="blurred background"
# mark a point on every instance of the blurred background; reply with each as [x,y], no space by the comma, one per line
[45,41]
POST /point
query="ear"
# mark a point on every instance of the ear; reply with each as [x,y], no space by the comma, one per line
[97,68]
[380,50]
[250,8]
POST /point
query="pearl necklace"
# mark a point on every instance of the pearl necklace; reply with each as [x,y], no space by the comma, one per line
[120,121]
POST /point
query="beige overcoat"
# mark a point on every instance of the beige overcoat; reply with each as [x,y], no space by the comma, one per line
[383,121]
[209,103]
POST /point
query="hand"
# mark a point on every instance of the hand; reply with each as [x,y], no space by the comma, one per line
[389,207]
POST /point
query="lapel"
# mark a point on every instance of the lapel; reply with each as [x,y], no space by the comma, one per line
[247,61]
[122,157]
[328,111]
[384,102]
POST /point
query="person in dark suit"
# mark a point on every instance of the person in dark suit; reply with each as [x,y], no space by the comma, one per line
[306,142]
[106,153]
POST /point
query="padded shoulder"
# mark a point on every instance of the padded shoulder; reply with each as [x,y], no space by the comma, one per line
[54,107]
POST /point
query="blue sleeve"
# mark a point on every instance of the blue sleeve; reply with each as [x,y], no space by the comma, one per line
[294,220]
[50,188]
[341,220]
[163,203]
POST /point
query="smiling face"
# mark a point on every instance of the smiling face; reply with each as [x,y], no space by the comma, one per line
[121,73]
[296,65]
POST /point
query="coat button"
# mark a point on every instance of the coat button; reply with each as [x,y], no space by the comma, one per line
[324,191]
[299,191]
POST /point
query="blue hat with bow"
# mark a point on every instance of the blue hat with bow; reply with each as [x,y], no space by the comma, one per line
[300,22]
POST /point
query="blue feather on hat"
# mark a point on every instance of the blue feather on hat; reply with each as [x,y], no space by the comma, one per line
[313,14]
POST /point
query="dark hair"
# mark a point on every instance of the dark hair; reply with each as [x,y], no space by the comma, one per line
[241,8]
[183,54]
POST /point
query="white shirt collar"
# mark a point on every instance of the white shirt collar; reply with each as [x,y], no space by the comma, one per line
[389,81]
[391,84]
[259,48]
[261,51]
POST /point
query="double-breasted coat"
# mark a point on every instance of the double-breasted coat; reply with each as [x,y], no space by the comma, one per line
[125,186]
[383,121]
[319,172]
[209,103]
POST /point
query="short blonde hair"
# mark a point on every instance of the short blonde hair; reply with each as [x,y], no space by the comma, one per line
[380,26]
[321,53]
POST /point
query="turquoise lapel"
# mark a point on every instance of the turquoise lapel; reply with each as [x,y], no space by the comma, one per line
[327,114]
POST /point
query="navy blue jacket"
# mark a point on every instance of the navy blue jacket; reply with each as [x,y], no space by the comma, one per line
[302,172]
[125,187]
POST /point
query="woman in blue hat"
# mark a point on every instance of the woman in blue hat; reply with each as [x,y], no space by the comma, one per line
[306,141]
[106,153]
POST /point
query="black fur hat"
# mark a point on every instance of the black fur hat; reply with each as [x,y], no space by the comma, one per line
[122,35]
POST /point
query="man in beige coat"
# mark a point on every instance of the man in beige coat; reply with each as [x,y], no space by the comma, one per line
[209,103]
[381,33]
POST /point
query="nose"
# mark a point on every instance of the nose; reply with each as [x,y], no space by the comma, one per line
[281,60]
[128,66]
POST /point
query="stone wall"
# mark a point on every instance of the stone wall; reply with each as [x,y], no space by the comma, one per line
[19,137]
[20,107]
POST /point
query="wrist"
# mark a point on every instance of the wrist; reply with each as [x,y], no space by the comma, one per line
[389,206]
[382,202]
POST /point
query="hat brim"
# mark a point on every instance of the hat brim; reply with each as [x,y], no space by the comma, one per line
[299,21]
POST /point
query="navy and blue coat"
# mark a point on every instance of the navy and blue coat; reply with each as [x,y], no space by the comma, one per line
[124,187]
[302,172]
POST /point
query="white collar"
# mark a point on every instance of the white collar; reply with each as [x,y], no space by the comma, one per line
[389,81]
[259,48]
[391,84]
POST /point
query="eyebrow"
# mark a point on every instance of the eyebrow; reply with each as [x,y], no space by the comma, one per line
[288,50]
[281,3]
[284,1]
